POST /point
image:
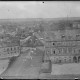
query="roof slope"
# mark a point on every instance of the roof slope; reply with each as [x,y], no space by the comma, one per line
[33,41]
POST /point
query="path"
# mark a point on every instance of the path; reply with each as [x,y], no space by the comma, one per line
[24,67]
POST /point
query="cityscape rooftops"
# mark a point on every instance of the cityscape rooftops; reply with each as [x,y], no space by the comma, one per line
[32,41]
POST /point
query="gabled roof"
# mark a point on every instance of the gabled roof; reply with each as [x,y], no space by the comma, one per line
[33,41]
[37,52]
[40,37]
[24,40]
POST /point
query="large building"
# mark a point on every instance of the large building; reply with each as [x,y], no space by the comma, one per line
[33,41]
[62,46]
[9,48]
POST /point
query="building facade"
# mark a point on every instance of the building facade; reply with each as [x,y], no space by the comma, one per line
[6,52]
[33,41]
[63,51]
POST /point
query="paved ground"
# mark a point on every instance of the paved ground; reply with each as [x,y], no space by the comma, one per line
[73,68]
[29,67]
[24,66]
[67,76]
[65,71]
[3,65]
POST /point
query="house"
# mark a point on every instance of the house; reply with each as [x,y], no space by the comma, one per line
[9,48]
[6,52]
[62,51]
[32,41]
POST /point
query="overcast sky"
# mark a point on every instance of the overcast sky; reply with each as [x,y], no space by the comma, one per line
[52,9]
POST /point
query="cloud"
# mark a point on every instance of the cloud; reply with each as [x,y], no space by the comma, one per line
[38,9]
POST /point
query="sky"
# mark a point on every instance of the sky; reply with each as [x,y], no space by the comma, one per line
[38,9]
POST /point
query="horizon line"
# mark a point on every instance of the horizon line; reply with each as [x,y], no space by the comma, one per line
[40,18]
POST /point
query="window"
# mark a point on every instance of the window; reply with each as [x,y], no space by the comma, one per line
[78,36]
[70,50]
[63,36]
[74,59]
[14,48]
[53,43]
[60,50]
[48,51]
[74,25]
[69,60]
[54,52]
[11,48]
[4,49]
[79,59]
[65,59]
[7,49]
[78,25]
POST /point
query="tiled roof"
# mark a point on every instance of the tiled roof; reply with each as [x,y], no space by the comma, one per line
[37,52]
[11,41]
[10,44]
[33,41]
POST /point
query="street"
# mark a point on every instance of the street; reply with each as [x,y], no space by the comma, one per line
[24,66]
[3,65]
[71,68]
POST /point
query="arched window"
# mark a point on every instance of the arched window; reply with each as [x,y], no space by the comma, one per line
[74,59]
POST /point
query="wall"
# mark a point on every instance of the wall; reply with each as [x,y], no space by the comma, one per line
[9,52]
